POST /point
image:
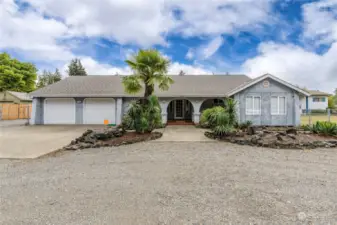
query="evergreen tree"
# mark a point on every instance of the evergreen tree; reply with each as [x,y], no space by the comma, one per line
[182,73]
[47,78]
[75,68]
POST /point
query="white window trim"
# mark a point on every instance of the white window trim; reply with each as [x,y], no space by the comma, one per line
[278,106]
[253,113]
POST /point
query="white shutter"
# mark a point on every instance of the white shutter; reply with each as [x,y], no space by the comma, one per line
[249,105]
[257,105]
[274,105]
[282,105]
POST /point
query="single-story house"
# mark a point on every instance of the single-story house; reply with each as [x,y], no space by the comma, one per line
[317,100]
[15,97]
[266,100]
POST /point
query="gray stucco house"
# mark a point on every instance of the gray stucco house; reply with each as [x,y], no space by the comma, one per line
[266,100]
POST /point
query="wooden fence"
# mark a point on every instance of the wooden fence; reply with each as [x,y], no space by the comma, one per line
[15,111]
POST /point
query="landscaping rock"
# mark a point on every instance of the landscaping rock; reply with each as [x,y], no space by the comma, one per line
[292,136]
[110,136]
[251,131]
[276,138]
[291,131]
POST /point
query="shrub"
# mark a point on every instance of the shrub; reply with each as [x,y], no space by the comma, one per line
[230,105]
[327,128]
[318,111]
[218,119]
[143,117]
[244,125]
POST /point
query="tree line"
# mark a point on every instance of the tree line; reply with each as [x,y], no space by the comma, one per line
[23,76]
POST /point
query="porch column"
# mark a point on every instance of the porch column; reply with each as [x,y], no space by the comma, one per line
[119,108]
[163,106]
[33,112]
[196,110]
[79,110]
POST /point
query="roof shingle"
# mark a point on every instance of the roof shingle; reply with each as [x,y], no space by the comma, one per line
[111,86]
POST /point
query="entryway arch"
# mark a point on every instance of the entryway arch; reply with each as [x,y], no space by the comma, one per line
[209,103]
[180,110]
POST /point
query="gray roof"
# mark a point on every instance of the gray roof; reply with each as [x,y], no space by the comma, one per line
[318,93]
[21,95]
[111,86]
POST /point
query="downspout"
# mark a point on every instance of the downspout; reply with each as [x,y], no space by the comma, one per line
[307,104]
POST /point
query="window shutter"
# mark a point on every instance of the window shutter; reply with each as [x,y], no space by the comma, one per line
[274,105]
[282,105]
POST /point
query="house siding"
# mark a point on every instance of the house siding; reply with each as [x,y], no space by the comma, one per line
[39,112]
[275,89]
[79,110]
[314,105]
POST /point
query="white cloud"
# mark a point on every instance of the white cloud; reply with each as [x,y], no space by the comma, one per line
[140,22]
[200,17]
[95,68]
[146,22]
[320,21]
[296,65]
[176,67]
[207,50]
[34,36]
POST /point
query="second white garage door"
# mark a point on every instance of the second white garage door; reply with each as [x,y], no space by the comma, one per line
[96,110]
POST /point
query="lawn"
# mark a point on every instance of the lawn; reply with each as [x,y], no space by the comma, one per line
[314,118]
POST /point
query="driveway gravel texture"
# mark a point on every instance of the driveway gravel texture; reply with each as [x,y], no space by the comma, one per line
[172,183]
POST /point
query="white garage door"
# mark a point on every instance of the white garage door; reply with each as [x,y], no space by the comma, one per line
[59,111]
[96,110]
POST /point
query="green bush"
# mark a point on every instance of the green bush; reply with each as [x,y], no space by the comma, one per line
[143,117]
[244,125]
[220,120]
[327,128]
[230,106]
[318,111]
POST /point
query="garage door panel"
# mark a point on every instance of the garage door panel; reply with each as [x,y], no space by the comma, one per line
[96,110]
[59,111]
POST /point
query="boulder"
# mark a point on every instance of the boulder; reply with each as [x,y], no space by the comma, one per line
[91,139]
[279,137]
[291,131]
[251,130]
[292,136]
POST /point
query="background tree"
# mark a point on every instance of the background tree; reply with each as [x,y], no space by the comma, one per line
[75,68]
[182,73]
[334,97]
[16,75]
[47,78]
[150,68]
[331,102]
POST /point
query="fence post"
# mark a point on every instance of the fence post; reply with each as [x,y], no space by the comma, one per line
[329,115]
[309,117]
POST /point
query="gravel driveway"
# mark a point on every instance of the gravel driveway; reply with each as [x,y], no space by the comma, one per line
[172,183]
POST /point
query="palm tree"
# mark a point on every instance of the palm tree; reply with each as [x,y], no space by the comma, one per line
[149,68]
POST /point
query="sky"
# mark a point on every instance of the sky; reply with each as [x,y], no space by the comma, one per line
[295,40]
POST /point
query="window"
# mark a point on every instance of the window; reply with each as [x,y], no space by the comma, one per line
[318,99]
[253,105]
[278,105]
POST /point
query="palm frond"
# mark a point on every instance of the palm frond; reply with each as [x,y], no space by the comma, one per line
[165,82]
[132,84]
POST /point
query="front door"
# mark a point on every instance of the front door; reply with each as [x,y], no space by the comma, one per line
[179,109]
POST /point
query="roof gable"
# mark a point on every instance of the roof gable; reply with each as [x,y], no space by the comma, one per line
[22,96]
[263,77]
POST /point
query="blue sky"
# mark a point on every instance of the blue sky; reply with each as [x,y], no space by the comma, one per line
[294,40]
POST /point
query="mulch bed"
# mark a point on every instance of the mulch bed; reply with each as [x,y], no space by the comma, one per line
[132,137]
[109,137]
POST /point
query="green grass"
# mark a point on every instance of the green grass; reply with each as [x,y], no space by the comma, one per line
[315,118]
